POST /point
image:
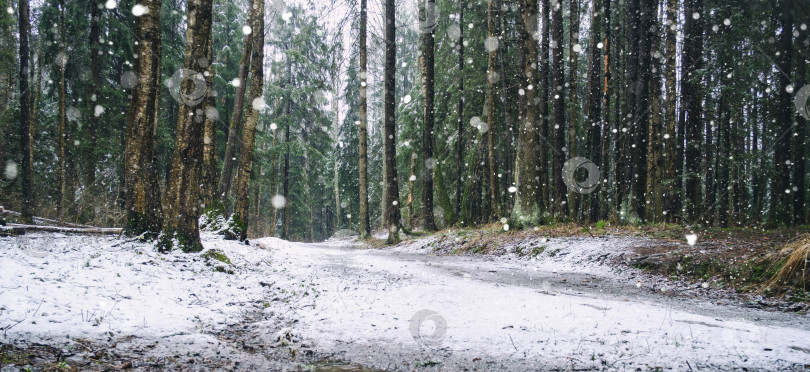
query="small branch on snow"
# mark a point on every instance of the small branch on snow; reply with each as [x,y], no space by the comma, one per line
[513,341]
[6,329]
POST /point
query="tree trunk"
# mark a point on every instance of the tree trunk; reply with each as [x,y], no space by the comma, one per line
[628,123]
[35,104]
[256,225]
[709,169]
[427,18]
[209,172]
[95,75]
[671,140]
[559,202]
[544,140]
[460,129]
[141,188]
[61,62]
[182,202]
[25,116]
[236,117]
[639,130]
[653,207]
[273,186]
[256,104]
[573,122]
[616,137]
[527,208]
[781,200]
[493,23]
[723,143]
[504,178]
[604,191]
[573,41]
[335,135]
[392,215]
[593,103]
[285,228]
[800,211]
[411,180]
[693,62]
[364,225]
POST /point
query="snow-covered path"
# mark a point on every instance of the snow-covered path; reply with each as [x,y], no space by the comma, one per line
[560,310]
[504,313]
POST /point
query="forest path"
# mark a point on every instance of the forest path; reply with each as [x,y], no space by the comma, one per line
[364,306]
[282,306]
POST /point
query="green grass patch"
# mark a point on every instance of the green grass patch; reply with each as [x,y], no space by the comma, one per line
[216,254]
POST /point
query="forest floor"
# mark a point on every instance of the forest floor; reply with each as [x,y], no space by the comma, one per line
[555,298]
[734,263]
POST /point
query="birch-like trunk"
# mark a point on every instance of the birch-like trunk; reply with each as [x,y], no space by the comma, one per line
[236,117]
[255,105]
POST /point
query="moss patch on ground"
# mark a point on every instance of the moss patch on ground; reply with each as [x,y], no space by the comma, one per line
[212,256]
[216,254]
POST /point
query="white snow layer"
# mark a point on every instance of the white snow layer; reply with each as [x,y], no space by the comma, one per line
[360,303]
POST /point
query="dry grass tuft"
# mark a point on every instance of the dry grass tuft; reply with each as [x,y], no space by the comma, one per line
[793,260]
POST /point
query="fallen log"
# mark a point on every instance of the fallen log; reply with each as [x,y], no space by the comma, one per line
[48,221]
[10,231]
[66,230]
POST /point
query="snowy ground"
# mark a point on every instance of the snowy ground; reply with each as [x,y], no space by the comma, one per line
[289,302]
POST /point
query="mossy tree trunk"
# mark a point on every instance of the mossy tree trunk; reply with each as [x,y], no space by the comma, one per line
[141,188]
[427,15]
[183,203]
[527,206]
